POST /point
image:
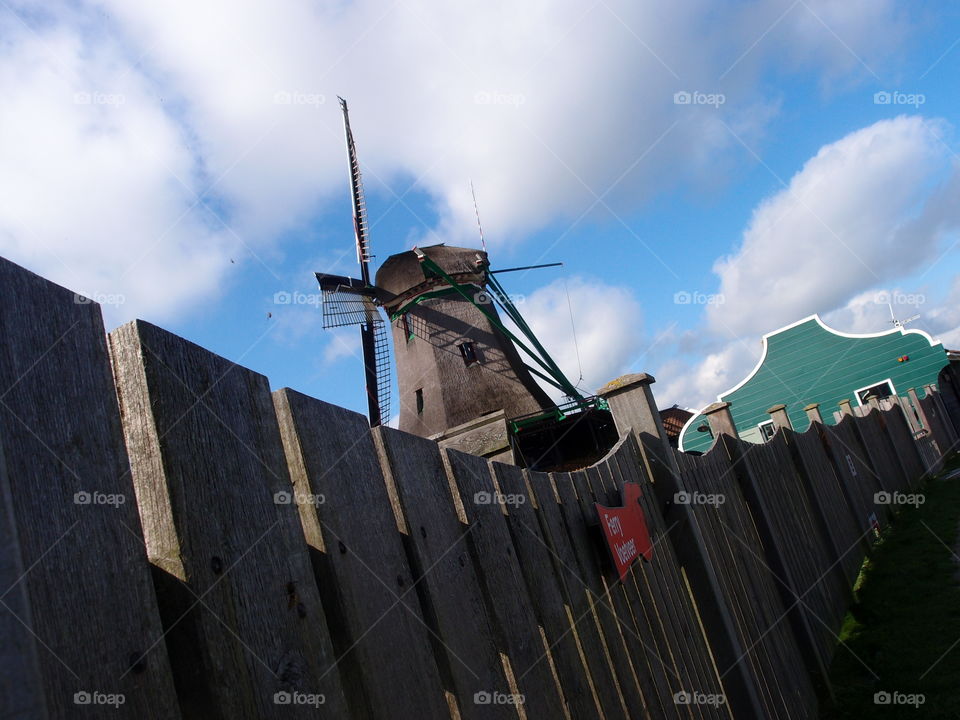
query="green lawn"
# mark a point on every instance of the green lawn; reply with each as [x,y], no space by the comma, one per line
[906,618]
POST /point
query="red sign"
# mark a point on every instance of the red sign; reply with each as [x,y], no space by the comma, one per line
[625,529]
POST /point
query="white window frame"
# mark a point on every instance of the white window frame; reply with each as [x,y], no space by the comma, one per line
[770,423]
[856,393]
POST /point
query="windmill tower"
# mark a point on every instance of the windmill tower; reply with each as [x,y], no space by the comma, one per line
[457,359]
[454,360]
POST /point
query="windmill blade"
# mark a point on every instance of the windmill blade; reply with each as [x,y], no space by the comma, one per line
[360,226]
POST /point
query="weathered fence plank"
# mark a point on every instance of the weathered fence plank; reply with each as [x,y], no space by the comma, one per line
[646,664]
[876,442]
[749,585]
[850,461]
[502,580]
[901,440]
[698,672]
[647,597]
[811,586]
[381,640]
[84,596]
[611,614]
[242,614]
[832,502]
[21,687]
[450,586]
[537,564]
[577,595]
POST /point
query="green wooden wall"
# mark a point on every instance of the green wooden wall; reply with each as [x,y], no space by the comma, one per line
[809,363]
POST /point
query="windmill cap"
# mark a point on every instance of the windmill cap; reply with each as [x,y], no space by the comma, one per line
[402,274]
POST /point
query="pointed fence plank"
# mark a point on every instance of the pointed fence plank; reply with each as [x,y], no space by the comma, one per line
[381,639]
[577,595]
[84,595]
[503,584]
[243,616]
[446,577]
[537,563]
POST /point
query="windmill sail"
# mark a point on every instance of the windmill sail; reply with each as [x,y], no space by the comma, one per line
[360,227]
[349,301]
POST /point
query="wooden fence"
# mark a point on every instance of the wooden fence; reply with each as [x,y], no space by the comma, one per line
[181,542]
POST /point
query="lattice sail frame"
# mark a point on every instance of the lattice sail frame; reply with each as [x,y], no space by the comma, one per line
[343,307]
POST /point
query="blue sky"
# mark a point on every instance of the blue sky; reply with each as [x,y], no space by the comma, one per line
[184,165]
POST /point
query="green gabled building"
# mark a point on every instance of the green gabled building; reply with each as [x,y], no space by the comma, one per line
[807,362]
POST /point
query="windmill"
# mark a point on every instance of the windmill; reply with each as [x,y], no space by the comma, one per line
[351,301]
[457,359]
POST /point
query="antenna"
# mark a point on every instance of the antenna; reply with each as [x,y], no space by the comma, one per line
[900,323]
[360,227]
[476,209]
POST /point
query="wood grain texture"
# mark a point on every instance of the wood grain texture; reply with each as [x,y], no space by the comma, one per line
[21,686]
[244,621]
[446,578]
[86,595]
[856,473]
[662,579]
[502,580]
[835,506]
[901,439]
[543,582]
[578,596]
[367,587]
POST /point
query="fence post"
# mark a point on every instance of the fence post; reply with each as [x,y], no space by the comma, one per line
[845,407]
[720,419]
[813,412]
[778,413]
[633,406]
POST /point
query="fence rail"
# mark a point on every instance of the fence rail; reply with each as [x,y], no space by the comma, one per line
[181,542]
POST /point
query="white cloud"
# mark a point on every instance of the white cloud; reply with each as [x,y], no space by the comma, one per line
[868,208]
[97,182]
[608,322]
[863,214]
[343,343]
[546,107]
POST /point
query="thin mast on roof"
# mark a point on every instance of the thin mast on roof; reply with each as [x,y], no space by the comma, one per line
[476,209]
